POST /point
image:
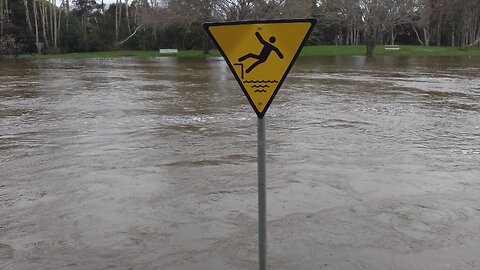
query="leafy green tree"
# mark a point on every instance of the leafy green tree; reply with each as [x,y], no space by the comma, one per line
[84,9]
[72,38]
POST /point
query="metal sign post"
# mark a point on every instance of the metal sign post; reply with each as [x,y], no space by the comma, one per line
[262,194]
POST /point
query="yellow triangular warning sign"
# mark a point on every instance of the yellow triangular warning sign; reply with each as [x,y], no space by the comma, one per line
[260,54]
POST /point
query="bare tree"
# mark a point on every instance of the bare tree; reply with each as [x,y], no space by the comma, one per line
[234,10]
[297,9]
[431,15]
[381,16]
[152,14]
[345,14]
[353,20]
[237,10]
[461,17]
[268,9]
[469,22]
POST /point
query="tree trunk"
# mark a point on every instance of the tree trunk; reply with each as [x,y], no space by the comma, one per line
[43,13]
[206,44]
[418,36]
[27,16]
[59,22]
[117,20]
[349,36]
[2,18]
[85,21]
[54,26]
[119,16]
[127,15]
[52,33]
[67,9]
[426,36]
[370,41]
[35,16]
[356,35]
[439,33]
[135,18]
[464,26]
[475,43]
[392,37]
[453,38]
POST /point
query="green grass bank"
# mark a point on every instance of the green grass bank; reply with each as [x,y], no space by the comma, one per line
[321,50]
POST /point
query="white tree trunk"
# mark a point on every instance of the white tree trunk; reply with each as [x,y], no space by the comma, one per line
[50,15]
[59,22]
[418,36]
[43,13]
[35,15]
[127,16]
[426,36]
[27,16]
[54,26]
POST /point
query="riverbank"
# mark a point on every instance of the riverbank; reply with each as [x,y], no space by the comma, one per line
[322,50]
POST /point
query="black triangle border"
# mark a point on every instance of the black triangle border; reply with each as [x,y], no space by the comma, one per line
[312,25]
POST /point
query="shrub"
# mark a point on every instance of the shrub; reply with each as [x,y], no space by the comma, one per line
[9,48]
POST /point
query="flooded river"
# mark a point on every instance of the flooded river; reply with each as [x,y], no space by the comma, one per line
[151,164]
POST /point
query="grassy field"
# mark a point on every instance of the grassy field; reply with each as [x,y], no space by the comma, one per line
[327,50]
[405,50]
[113,54]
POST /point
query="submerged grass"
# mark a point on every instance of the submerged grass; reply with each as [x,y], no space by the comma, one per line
[321,50]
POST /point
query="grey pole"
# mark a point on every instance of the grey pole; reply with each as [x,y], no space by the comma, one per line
[262,196]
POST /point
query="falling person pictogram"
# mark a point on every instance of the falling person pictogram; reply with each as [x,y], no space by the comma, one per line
[267,49]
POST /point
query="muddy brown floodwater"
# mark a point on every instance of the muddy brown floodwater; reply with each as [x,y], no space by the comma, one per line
[151,164]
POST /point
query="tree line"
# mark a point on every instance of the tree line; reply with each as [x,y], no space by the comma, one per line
[58,26]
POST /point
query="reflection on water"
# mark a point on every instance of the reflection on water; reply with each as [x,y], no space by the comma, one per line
[150,163]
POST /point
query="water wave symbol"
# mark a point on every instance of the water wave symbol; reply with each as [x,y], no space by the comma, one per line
[262,81]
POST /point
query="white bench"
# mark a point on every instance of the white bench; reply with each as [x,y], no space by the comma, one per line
[392,47]
[168,51]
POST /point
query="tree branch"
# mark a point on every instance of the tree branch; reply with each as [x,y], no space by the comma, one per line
[475,43]
[133,34]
